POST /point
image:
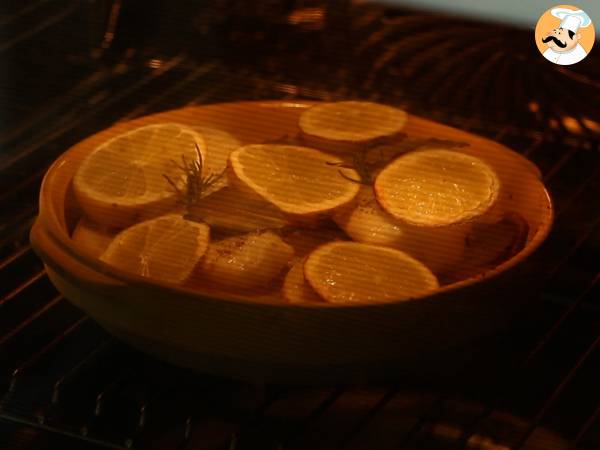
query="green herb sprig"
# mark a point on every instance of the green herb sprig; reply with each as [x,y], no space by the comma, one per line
[360,165]
[195,184]
[366,165]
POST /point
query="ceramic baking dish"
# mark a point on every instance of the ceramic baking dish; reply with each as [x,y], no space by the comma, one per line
[271,340]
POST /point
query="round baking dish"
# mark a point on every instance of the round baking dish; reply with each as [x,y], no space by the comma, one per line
[268,339]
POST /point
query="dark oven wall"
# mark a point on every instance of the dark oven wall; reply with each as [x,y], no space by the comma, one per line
[71,68]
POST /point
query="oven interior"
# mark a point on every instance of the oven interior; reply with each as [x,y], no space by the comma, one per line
[72,68]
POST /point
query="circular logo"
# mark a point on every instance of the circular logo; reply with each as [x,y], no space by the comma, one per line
[564,35]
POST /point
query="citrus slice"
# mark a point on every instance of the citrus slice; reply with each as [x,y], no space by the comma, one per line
[219,145]
[296,289]
[298,180]
[352,272]
[439,248]
[123,180]
[436,187]
[349,126]
[247,262]
[235,210]
[91,237]
[165,248]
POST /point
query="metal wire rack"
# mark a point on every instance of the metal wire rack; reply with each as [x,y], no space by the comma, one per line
[64,383]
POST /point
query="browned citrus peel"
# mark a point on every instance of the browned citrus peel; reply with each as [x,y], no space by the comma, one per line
[488,245]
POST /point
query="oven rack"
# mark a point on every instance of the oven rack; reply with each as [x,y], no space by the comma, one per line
[64,383]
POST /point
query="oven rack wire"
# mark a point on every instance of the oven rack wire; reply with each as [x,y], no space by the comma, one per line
[65,383]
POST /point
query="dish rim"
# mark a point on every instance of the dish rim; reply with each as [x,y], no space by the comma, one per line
[48,220]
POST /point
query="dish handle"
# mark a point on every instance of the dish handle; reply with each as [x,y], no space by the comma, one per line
[62,261]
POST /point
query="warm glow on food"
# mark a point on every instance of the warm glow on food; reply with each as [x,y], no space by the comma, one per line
[165,249]
[382,222]
[351,272]
[437,187]
[298,180]
[123,180]
[348,126]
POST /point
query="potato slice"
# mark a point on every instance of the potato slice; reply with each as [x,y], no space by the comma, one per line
[92,237]
[219,145]
[490,244]
[234,210]
[247,262]
[439,248]
[296,289]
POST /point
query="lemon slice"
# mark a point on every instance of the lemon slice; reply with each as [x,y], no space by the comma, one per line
[439,248]
[91,237]
[296,289]
[123,180]
[165,248]
[246,262]
[352,272]
[219,145]
[298,180]
[348,126]
[436,187]
[235,210]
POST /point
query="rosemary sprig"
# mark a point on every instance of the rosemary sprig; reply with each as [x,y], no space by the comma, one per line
[286,139]
[409,144]
[195,184]
[361,166]
[365,165]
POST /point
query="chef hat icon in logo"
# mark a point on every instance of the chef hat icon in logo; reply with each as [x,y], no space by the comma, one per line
[565,35]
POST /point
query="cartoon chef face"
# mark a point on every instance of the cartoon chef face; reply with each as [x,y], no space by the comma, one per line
[561,40]
[564,41]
